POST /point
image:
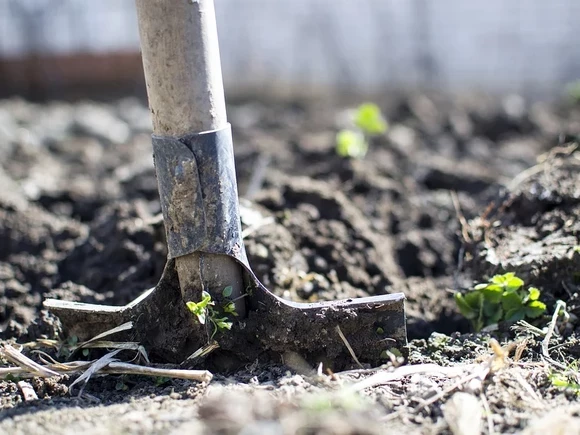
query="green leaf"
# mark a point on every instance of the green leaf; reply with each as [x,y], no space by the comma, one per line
[535,309]
[495,317]
[534,293]
[478,324]
[228,291]
[192,306]
[513,283]
[85,352]
[474,300]
[511,301]
[502,279]
[351,143]
[230,308]
[368,118]
[491,310]
[465,308]
[492,293]
[224,325]
[515,315]
[205,299]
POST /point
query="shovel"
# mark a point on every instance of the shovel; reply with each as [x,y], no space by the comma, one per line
[208,307]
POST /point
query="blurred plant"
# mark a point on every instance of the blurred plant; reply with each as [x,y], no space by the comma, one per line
[503,298]
[367,121]
[566,379]
[573,91]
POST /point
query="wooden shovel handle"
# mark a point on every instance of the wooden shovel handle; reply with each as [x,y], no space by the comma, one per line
[181,59]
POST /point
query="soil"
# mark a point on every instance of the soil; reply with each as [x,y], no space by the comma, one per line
[457,190]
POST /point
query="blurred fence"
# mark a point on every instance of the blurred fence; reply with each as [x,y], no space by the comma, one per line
[301,46]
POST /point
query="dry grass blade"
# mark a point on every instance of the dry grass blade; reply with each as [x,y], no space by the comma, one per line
[124,327]
[16,357]
[382,378]
[127,345]
[94,368]
[104,344]
[202,352]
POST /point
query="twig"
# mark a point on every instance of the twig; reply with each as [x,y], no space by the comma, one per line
[551,327]
[460,217]
[348,346]
[121,368]
[113,368]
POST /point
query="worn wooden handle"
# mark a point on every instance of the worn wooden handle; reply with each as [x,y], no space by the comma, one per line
[181,59]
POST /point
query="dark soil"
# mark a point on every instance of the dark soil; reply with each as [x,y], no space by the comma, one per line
[80,220]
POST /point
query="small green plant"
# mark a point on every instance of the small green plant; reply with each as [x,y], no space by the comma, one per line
[503,298]
[205,310]
[368,121]
[351,143]
[561,380]
[566,379]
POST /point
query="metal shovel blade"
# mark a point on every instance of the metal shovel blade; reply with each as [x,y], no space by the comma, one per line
[273,327]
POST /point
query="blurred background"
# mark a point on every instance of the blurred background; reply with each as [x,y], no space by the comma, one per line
[77,48]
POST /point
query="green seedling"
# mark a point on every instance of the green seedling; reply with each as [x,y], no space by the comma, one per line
[567,379]
[368,121]
[503,298]
[205,310]
[351,143]
[561,380]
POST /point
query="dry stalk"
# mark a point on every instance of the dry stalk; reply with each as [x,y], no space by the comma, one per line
[348,346]
[13,355]
[560,305]
[465,228]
